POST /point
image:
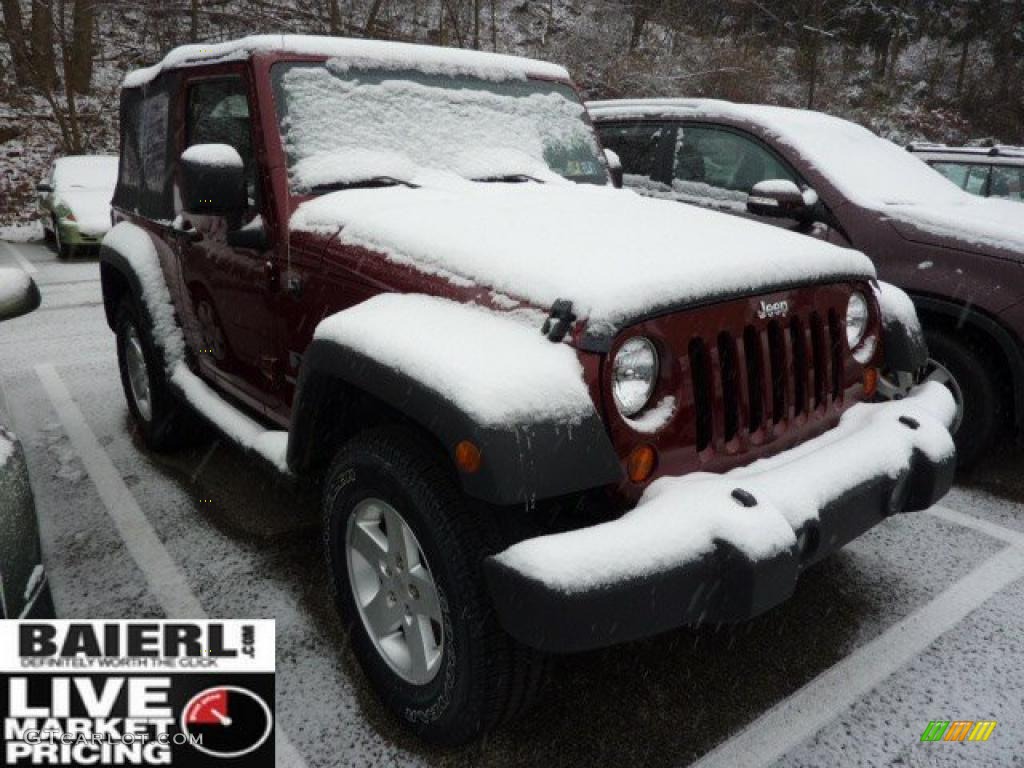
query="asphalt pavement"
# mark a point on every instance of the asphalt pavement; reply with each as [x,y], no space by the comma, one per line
[921,619]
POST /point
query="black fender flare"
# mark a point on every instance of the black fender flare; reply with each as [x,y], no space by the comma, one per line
[521,462]
[113,261]
[963,315]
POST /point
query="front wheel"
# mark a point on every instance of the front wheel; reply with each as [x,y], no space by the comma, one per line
[64,250]
[164,421]
[966,370]
[404,552]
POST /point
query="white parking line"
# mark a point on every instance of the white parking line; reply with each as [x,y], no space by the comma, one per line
[24,263]
[798,717]
[165,579]
[996,531]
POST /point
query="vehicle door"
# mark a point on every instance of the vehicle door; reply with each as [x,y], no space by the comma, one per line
[717,167]
[231,290]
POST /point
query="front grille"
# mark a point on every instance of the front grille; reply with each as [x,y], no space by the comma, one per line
[764,377]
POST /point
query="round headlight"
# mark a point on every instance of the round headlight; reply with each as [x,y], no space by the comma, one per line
[634,372]
[857,316]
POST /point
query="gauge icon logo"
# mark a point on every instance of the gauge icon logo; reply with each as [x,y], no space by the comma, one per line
[230,721]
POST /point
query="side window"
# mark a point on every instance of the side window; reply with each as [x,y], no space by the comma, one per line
[1007,182]
[640,147]
[218,113]
[722,165]
[977,180]
[955,172]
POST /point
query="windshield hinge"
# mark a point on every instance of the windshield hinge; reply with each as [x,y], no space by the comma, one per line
[559,320]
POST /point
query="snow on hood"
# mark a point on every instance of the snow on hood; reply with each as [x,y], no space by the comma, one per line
[91,208]
[870,171]
[977,223]
[614,254]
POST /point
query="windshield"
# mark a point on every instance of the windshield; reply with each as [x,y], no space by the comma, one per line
[345,127]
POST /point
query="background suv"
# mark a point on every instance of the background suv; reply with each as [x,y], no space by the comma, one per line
[985,171]
[959,257]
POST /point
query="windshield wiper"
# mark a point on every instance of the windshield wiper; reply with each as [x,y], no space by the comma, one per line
[509,178]
[372,182]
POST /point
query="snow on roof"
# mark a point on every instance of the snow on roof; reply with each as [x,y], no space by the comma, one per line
[494,366]
[614,254]
[866,169]
[357,53]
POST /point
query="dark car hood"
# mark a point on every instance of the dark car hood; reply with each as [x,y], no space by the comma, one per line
[991,227]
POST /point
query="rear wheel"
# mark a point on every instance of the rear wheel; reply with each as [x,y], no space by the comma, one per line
[404,551]
[163,420]
[965,368]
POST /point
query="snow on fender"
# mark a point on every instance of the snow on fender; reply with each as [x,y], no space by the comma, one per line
[464,373]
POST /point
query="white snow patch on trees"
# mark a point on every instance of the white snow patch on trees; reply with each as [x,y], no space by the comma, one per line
[496,368]
[680,519]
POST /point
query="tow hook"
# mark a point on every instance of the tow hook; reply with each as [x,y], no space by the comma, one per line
[560,318]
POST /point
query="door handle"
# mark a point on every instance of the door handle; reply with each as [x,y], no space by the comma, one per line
[272,275]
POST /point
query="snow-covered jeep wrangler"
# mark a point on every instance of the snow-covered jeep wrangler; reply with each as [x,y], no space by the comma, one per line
[548,415]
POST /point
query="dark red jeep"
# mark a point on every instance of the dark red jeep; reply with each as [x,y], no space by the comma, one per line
[958,257]
[547,415]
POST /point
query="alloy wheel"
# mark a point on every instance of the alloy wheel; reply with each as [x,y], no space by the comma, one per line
[394,591]
[138,376]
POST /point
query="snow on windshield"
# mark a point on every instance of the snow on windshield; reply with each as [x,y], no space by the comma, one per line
[333,116]
[86,172]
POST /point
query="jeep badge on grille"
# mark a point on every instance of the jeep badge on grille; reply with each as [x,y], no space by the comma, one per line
[773,309]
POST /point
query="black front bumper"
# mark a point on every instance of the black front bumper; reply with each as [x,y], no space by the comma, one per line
[722,586]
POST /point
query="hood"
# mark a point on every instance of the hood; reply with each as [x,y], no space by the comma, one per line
[614,254]
[91,208]
[993,227]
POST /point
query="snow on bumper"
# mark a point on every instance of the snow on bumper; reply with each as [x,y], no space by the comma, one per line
[711,548]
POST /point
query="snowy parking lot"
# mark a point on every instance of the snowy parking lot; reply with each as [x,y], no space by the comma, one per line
[921,619]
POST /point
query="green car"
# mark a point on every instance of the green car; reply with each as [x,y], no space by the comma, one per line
[74,201]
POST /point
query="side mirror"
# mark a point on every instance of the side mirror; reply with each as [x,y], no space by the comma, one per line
[18,294]
[614,168]
[44,187]
[213,180]
[781,199]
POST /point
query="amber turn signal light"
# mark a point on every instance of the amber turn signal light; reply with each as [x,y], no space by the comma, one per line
[641,462]
[468,457]
[870,382]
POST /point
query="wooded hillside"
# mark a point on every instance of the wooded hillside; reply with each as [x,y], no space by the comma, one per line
[941,70]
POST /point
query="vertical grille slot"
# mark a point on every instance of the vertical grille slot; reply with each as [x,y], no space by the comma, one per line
[777,355]
[836,350]
[798,339]
[755,376]
[728,366]
[700,369]
[819,360]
